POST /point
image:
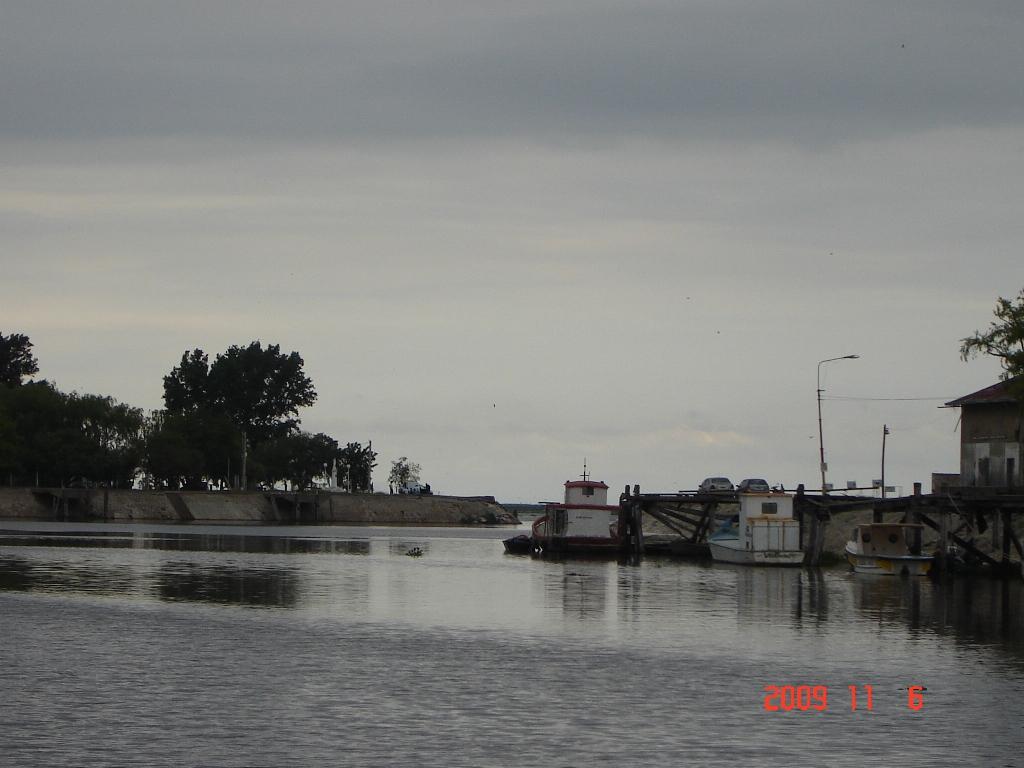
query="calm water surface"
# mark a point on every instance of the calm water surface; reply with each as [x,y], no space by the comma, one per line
[309,646]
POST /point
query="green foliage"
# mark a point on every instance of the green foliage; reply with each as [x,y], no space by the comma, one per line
[64,438]
[113,433]
[297,459]
[16,359]
[1004,338]
[247,396]
[261,390]
[8,448]
[186,387]
[191,450]
[404,472]
[355,468]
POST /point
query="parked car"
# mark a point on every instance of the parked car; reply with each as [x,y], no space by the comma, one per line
[753,485]
[415,489]
[713,484]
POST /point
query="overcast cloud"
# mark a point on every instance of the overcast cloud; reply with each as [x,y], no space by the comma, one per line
[508,236]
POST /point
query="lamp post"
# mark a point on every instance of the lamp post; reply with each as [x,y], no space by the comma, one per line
[885,431]
[821,438]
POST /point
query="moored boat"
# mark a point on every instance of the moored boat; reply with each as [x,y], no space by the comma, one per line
[584,522]
[521,544]
[883,548]
[762,533]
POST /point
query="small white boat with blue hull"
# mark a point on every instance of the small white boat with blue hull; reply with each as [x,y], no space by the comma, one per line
[763,533]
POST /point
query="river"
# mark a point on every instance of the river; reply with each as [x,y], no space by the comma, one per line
[334,646]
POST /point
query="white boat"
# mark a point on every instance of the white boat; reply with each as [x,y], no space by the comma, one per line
[583,522]
[883,548]
[763,533]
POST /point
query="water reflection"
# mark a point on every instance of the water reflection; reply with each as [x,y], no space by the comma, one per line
[398,547]
[15,574]
[277,587]
[580,592]
[191,542]
[973,612]
[775,592]
[239,584]
[460,580]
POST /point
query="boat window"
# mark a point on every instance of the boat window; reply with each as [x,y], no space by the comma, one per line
[865,537]
[892,538]
[559,522]
[769,508]
[588,491]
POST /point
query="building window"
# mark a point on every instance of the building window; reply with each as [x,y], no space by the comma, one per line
[769,507]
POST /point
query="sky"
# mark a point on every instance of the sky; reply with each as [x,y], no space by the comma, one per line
[508,237]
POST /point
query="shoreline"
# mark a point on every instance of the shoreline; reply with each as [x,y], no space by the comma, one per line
[248,507]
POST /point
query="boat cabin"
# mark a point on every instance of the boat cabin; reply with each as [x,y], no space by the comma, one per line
[766,522]
[587,492]
[584,520]
[762,533]
[884,539]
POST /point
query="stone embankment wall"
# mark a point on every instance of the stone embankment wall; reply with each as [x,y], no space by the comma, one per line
[248,507]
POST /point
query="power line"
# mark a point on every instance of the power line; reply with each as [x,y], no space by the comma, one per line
[887,399]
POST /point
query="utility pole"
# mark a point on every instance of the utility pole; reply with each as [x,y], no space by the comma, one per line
[885,431]
[821,438]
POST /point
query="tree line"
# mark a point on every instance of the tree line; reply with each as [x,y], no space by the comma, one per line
[230,423]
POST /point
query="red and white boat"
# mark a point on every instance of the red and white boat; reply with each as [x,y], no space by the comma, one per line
[583,522]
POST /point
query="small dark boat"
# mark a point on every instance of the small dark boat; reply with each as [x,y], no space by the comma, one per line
[519,545]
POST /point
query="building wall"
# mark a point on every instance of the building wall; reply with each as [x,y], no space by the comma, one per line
[990,445]
[987,422]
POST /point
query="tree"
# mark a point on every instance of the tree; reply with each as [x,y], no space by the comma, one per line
[16,359]
[297,459]
[8,448]
[186,387]
[186,450]
[113,436]
[355,468]
[1004,338]
[260,390]
[404,472]
[51,438]
[171,459]
[43,439]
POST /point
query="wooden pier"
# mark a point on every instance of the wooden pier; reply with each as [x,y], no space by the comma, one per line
[691,516]
[962,518]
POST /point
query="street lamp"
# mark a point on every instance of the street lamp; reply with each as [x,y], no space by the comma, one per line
[821,439]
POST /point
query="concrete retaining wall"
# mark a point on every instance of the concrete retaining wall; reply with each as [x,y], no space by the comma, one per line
[249,507]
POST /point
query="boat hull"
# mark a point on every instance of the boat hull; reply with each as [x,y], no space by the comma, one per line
[580,544]
[577,529]
[892,565]
[728,552]
[519,545]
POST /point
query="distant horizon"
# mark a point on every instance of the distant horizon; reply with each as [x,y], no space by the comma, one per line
[506,238]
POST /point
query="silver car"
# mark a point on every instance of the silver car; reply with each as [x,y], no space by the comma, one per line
[713,484]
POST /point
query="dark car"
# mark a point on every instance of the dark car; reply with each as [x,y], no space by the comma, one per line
[753,485]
